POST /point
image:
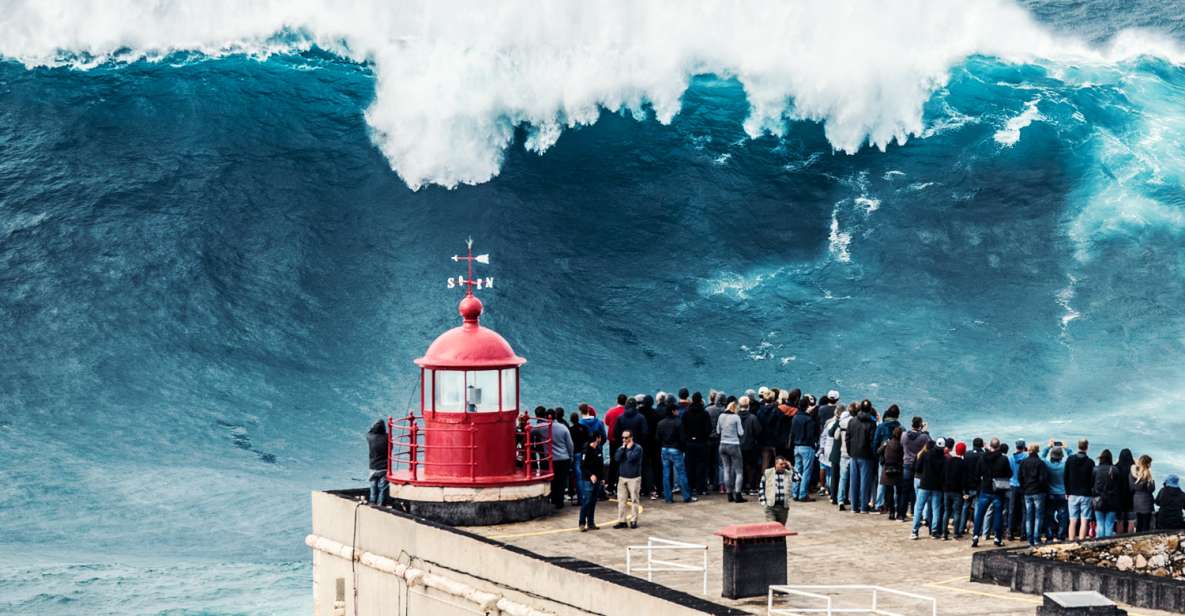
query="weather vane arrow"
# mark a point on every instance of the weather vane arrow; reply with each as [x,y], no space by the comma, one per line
[468,280]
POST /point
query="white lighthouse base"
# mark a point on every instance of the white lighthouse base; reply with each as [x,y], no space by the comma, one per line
[467,506]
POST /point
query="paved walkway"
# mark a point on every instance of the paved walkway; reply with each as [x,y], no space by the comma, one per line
[832,547]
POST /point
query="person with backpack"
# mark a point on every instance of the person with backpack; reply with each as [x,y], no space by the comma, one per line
[892,455]
[995,482]
[1107,497]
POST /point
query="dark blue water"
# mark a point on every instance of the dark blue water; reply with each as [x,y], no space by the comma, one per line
[212,280]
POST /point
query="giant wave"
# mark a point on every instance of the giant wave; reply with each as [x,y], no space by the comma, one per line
[455,79]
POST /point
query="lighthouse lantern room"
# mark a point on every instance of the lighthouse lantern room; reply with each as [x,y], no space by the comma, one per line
[469,432]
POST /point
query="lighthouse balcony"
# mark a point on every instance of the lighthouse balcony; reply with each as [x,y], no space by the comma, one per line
[469,450]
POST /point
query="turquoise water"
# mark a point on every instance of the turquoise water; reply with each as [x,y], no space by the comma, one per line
[215,272]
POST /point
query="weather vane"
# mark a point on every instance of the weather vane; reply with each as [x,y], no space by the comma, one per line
[468,280]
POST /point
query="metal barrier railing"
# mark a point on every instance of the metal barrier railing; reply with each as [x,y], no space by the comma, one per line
[411,459]
[654,543]
[801,590]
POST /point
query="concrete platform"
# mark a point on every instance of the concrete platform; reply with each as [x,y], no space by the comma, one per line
[832,547]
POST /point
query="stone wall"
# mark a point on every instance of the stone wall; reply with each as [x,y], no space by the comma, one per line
[392,564]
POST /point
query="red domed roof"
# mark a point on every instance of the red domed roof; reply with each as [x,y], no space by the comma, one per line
[470,345]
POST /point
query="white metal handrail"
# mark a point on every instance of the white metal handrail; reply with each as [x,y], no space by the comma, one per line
[654,543]
[803,590]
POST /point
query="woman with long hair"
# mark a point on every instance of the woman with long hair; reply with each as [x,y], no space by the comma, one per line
[1125,520]
[1142,488]
[1106,495]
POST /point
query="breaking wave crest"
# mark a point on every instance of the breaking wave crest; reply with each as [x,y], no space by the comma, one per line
[455,80]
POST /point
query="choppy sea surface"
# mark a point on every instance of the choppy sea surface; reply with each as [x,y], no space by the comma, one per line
[225,231]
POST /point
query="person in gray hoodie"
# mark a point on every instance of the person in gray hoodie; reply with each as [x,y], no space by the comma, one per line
[750,443]
[731,430]
[912,442]
[715,408]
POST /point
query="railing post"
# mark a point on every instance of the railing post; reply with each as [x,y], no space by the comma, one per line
[527,447]
[413,432]
[550,447]
[472,453]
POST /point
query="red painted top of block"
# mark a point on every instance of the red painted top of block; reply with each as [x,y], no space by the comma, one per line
[765,530]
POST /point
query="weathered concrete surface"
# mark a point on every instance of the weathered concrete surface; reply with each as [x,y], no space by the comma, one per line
[404,566]
[831,548]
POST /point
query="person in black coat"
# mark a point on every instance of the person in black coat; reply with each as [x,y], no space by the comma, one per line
[697,431]
[930,467]
[1079,480]
[376,441]
[1108,499]
[670,440]
[995,474]
[1034,482]
[954,477]
[592,472]
[1171,501]
[859,438]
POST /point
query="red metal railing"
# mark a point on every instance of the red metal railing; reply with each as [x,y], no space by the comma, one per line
[412,460]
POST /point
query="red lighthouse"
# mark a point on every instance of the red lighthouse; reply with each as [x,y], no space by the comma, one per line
[469,457]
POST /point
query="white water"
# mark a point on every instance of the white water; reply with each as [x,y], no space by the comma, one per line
[454,79]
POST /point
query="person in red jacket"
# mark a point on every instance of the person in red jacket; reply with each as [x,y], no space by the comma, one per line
[611,417]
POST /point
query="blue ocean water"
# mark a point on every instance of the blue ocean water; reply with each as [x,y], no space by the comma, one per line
[215,271]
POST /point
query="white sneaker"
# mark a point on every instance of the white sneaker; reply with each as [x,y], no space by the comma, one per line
[913,535]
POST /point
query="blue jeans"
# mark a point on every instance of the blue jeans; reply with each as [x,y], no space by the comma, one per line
[845,465]
[1104,523]
[860,480]
[804,462]
[953,510]
[588,509]
[576,460]
[378,489]
[933,499]
[906,492]
[1057,517]
[997,504]
[1034,517]
[880,490]
[672,461]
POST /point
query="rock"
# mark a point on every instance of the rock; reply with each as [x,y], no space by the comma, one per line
[1159,561]
[1062,556]
[1123,563]
[1141,562]
[1172,543]
[1160,573]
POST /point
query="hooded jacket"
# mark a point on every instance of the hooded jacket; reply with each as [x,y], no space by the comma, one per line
[993,465]
[697,425]
[931,467]
[1079,475]
[971,478]
[1171,501]
[376,441]
[913,442]
[859,436]
[594,426]
[893,456]
[771,424]
[804,430]
[633,421]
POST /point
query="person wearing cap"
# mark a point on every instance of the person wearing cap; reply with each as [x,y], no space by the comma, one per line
[954,476]
[1016,496]
[930,466]
[1034,482]
[1171,502]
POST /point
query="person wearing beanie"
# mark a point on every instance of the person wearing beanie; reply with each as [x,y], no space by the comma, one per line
[953,496]
[1171,502]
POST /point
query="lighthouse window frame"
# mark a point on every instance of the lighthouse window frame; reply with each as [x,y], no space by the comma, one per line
[509,389]
[481,391]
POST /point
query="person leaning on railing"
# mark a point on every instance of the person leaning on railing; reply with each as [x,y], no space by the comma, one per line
[376,441]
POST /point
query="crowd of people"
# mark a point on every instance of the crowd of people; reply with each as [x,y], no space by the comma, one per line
[785,446]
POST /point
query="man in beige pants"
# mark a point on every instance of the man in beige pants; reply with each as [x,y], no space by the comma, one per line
[629,481]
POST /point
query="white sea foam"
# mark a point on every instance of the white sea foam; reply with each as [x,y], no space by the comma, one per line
[1010,134]
[838,241]
[454,79]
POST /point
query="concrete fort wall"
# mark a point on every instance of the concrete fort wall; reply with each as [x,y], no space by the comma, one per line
[399,565]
